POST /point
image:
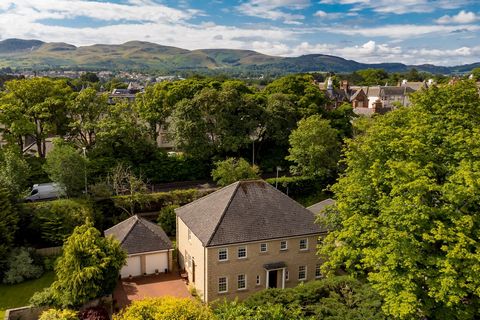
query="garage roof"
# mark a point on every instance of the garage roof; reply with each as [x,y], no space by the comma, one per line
[138,235]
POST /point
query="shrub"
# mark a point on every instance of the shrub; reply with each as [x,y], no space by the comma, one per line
[232,170]
[94,313]
[21,267]
[56,219]
[59,314]
[167,220]
[165,308]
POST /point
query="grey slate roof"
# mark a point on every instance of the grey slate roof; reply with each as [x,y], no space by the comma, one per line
[138,235]
[246,211]
[319,206]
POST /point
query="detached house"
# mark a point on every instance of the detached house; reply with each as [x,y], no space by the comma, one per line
[246,237]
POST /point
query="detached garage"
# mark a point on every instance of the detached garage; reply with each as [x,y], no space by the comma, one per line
[148,247]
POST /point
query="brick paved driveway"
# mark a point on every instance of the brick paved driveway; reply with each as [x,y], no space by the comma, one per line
[139,288]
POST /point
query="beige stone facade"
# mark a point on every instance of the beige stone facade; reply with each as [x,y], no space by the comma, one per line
[206,270]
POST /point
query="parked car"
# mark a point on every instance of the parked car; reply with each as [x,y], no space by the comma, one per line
[45,191]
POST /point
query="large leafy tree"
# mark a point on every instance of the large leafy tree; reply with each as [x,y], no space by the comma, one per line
[34,107]
[8,225]
[153,106]
[407,214]
[67,167]
[85,112]
[232,170]
[14,171]
[88,268]
[314,147]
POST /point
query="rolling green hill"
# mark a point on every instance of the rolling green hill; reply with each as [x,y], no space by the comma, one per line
[146,56]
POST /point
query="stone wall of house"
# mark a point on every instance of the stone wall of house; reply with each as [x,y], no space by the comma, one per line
[191,248]
[253,266]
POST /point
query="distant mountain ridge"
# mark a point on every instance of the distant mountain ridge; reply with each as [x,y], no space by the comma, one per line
[146,56]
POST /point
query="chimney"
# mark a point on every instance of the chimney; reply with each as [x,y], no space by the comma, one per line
[345,85]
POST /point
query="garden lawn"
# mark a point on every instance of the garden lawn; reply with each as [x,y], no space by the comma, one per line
[18,295]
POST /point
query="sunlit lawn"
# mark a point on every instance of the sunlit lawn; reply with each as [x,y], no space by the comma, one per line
[18,295]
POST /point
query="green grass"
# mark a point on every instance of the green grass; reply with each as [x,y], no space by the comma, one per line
[18,295]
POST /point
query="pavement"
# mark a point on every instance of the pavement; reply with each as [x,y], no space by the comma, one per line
[138,288]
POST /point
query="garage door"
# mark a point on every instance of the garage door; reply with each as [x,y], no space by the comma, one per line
[131,268]
[157,261]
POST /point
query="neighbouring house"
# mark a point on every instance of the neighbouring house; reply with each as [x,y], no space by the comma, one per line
[149,250]
[246,237]
[320,206]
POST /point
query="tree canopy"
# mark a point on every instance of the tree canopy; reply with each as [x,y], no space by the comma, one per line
[232,170]
[407,215]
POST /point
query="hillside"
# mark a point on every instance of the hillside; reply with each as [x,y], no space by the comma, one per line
[146,56]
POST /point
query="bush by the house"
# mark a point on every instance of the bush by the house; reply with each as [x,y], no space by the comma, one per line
[21,266]
[165,308]
[59,314]
[94,313]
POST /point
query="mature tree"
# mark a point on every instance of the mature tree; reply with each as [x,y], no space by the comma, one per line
[89,77]
[8,225]
[407,206]
[167,219]
[85,112]
[281,117]
[314,147]
[34,107]
[67,167]
[122,136]
[308,97]
[87,269]
[373,76]
[14,171]
[164,309]
[231,170]
[476,74]
[132,188]
[216,120]
[21,266]
[153,107]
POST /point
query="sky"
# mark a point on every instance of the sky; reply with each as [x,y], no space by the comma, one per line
[441,32]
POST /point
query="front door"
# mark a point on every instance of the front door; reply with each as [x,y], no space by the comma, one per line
[272,278]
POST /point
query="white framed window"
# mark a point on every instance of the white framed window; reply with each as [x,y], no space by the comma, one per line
[222,284]
[242,252]
[241,282]
[258,280]
[222,254]
[287,275]
[263,247]
[302,272]
[189,236]
[318,272]
[283,245]
[319,240]
[303,244]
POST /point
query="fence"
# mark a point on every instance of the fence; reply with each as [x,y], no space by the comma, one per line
[52,251]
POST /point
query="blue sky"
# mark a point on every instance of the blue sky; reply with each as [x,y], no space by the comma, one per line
[442,32]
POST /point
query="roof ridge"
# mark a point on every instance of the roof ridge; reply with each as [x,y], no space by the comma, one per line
[121,222]
[223,213]
[131,228]
[205,196]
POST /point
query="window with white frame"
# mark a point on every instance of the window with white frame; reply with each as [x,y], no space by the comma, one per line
[318,272]
[242,252]
[222,285]
[222,254]
[263,247]
[241,282]
[283,245]
[258,280]
[319,240]
[302,272]
[303,244]
[287,275]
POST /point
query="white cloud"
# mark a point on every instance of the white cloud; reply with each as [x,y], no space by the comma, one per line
[462,17]
[320,13]
[400,31]
[274,9]
[400,7]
